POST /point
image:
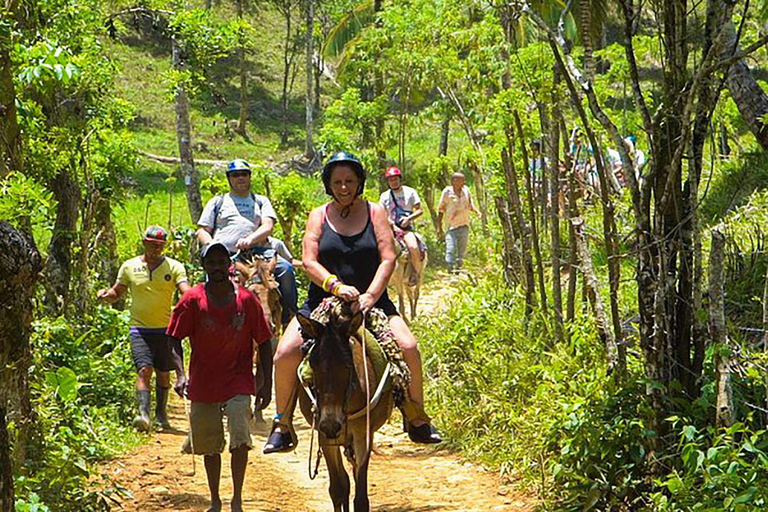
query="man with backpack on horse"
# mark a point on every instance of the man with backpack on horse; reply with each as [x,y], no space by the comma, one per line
[403,206]
[243,222]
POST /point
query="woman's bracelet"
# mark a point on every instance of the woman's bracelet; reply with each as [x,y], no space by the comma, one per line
[335,286]
[328,280]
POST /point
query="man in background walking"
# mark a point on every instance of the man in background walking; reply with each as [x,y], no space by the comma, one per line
[455,204]
[152,280]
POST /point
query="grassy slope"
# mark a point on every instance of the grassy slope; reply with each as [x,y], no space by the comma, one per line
[143,61]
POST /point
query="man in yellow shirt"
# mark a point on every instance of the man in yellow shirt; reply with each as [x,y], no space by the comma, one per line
[152,280]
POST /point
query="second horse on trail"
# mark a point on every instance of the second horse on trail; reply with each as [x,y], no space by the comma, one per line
[257,274]
[350,397]
[402,282]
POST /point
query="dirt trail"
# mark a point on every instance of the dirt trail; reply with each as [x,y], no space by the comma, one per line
[403,477]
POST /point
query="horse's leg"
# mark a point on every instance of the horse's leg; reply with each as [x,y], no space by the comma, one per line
[339,480]
[362,457]
[415,297]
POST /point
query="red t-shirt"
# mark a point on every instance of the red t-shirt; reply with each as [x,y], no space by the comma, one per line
[221,364]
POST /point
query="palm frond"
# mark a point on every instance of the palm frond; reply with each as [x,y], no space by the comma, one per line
[348,29]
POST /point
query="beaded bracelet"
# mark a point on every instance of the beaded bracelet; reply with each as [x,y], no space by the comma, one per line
[334,287]
[327,281]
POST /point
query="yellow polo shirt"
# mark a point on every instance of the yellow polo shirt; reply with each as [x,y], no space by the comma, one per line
[151,292]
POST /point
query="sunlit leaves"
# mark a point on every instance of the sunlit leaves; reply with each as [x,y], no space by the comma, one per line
[46,63]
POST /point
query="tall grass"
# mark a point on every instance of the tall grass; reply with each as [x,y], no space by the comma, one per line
[497,385]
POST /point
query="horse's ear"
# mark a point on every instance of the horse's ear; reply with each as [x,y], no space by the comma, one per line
[311,328]
[355,322]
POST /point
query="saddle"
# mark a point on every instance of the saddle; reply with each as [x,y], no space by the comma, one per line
[402,247]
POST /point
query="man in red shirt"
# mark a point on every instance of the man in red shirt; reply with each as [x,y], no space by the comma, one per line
[222,321]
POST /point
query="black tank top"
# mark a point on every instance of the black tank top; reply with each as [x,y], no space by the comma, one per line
[354,259]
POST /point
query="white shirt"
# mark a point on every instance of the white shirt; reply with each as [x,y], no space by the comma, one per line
[238,217]
[406,197]
[456,207]
[280,248]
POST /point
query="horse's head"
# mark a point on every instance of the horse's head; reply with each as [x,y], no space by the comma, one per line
[333,371]
[258,276]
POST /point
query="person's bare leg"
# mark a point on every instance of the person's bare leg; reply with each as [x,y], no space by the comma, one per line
[412,358]
[213,473]
[144,378]
[287,360]
[238,464]
[412,243]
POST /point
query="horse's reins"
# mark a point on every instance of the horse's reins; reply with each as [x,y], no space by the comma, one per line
[370,403]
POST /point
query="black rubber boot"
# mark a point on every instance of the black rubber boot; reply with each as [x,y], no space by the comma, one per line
[141,422]
[161,418]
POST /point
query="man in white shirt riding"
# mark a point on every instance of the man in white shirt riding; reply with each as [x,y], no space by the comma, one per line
[243,221]
[403,206]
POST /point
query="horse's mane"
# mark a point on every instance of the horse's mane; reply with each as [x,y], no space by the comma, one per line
[333,343]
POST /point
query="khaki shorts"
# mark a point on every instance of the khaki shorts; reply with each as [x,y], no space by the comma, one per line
[207,430]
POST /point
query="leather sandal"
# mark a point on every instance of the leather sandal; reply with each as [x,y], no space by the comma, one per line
[279,442]
[424,434]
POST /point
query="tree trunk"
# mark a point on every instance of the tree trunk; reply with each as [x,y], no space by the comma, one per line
[287,61]
[184,137]
[429,200]
[554,201]
[750,98]
[58,267]
[82,294]
[378,88]
[105,254]
[529,189]
[585,33]
[445,132]
[10,134]
[511,255]
[717,332]
[543,192]
[593,292]
[309,148]
[242,123]
[765,334]
[6,468]
[20,265]
[573,212]
[513,192]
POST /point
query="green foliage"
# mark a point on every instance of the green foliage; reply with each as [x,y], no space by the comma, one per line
[21,197]
[719,470]
[47,64]
[82,391]
[604,443]
[203,40]
[499,391]
[734,183]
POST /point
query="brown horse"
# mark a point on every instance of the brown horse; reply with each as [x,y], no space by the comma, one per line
[257,274]
[338,404]
[400,278]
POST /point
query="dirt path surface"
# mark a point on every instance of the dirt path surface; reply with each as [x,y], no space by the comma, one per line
[403,477]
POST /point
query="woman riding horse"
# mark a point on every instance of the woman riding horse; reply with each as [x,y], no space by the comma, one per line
[348,251]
